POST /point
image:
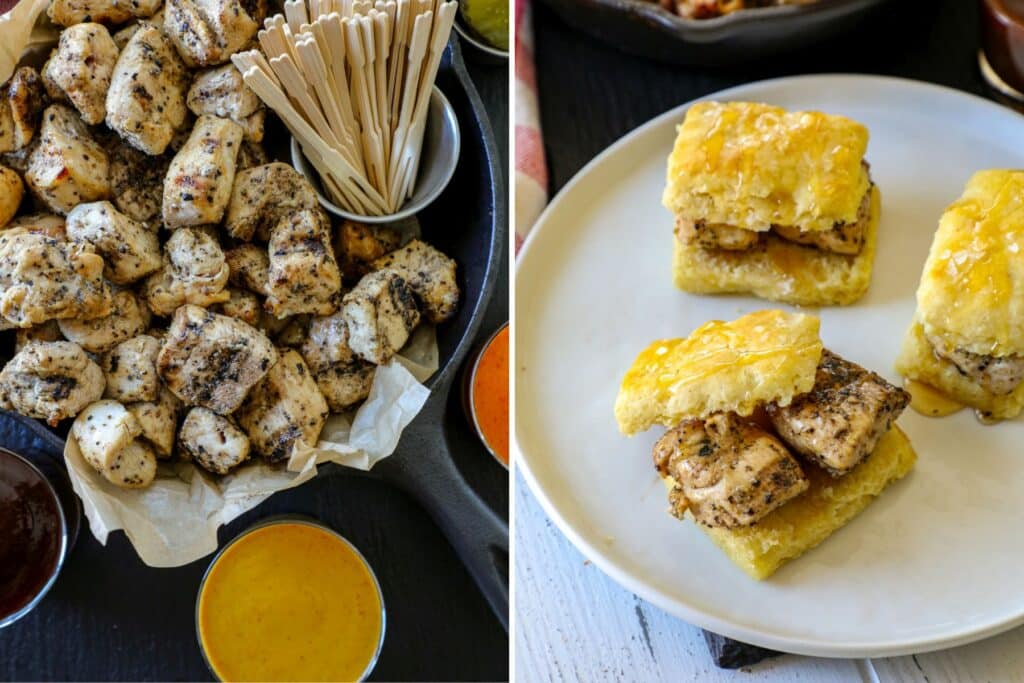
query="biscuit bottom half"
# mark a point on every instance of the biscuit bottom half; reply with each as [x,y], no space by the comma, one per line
[917,361]
[780,270]
[810,518]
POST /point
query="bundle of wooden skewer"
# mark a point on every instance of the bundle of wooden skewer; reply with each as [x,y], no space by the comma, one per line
[352,81]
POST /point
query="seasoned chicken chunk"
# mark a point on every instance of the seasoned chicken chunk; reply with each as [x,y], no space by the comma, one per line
[343,378]
[133,468]
[46,332]
[158,420]
[146,100]
[250,155]
[198,184]
[127,318]
[242,304]
[728,471]
[42,278]
[715,236]
[213,441]
[285,410]
[21,103]
[131,250]
[253,126]
[68,167]
[195,271]
[839,421]
[71,12]
[46,224]
[262,196]
[304,276]
[357,246]
[103,430]
[50,381]
[250,268]
[212,360]
[843,238]
[81,68]
[998,375]
[430,274]
[379,312]
[222,92]
[11,192]
[208,32]
[130,370]
[137,182]
[294,333]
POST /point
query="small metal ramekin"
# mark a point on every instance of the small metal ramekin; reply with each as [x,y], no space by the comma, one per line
[442,143]
[307,521]
[61,554]
[468,388]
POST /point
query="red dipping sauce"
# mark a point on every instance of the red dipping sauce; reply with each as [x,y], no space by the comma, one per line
[1002,36]
[33,536]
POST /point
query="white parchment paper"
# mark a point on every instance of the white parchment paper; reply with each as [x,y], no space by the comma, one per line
[175,520]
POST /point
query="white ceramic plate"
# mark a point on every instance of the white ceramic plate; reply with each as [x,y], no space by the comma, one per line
[936,561]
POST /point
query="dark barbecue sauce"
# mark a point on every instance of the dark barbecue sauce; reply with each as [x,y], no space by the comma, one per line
[30,534]
[1002,33]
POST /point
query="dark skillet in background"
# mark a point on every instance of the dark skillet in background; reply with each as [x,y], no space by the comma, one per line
[644,28]
[109,617]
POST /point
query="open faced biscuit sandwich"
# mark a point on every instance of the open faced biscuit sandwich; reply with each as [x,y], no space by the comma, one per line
[773,203]
[774,442]
[967,336]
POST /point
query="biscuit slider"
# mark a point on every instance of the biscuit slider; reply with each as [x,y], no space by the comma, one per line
[773,203]
[967,336]
[774,442]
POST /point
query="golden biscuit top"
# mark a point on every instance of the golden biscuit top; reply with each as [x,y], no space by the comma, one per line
[754,165]
[762,357]
[972,289]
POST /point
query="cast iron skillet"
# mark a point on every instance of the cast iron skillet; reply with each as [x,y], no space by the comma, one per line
[467,222]
[644,28]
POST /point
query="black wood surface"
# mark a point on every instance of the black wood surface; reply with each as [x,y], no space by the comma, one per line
[109,617]
[592,94]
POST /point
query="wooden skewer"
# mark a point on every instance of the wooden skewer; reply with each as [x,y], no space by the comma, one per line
[295,12]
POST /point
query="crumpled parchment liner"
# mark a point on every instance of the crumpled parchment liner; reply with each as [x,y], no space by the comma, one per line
[175,521]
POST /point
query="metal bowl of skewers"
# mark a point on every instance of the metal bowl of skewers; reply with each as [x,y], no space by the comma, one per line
[438,159]
[356,90]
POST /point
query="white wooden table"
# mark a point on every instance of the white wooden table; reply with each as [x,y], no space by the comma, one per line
[573,623]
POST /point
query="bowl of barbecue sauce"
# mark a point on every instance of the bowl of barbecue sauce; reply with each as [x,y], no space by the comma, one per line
[33,536]
[1002,56]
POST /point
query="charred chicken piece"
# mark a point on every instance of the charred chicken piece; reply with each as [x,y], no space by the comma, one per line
[262,196]
[130,370]
[128,317]
[998,375]
[213,441]
[81,68]
[146,99]
[195,271]
[21,103]
[51,381]
[304,276]
[208,32]
[249,266]
[343,378]
[212,360]
[137,182]
[285,410]
[358,245]
[840,420]
[728,471]
[198,184]
[379,312]
[430,274]
[131,250]
[68,167]
[158,420]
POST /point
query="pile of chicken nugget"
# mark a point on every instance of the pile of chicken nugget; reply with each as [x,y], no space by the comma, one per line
[169,288]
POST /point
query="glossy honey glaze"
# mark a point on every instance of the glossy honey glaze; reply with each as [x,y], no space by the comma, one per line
[929,401]
[490,395]
[289,602]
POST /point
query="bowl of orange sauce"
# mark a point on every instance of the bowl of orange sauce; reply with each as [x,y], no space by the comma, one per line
[290,599]
[486,394]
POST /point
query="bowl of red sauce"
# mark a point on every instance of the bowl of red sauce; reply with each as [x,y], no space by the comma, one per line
[486,394]
[33,536]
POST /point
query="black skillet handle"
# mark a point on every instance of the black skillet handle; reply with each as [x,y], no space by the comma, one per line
[425,470]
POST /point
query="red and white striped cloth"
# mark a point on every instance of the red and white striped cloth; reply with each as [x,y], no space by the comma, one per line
[531,182]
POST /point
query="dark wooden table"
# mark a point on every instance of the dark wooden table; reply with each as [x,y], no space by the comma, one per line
[109,617]
[591,94]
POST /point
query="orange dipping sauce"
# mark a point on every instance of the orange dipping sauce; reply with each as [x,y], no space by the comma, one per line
[489,395]
[290,601]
